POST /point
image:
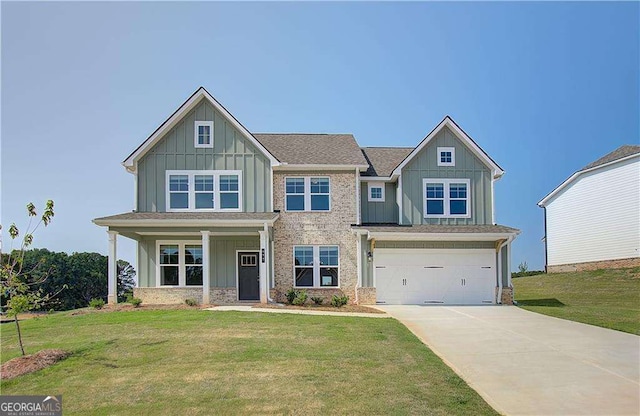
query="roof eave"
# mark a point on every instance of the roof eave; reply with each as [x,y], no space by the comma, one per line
[182,223]
[292,166]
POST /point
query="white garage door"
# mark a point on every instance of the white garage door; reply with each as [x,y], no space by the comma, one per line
[435,276]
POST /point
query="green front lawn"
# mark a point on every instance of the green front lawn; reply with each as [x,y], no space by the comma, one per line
[607,298]
[198,362]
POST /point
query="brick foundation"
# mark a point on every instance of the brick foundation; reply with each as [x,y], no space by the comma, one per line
[366,295]
[175,295]
[507,296]
[595,265]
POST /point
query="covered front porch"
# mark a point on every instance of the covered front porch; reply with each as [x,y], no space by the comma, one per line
[208,257]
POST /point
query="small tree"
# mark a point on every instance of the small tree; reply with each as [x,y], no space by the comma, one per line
[14,284]
[523,267]
[126,279]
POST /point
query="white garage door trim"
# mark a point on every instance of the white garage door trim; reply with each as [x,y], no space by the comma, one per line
[435,276]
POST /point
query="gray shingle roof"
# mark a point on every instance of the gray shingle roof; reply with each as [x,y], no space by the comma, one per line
[220,216]
[382,160]
[313,149]
[619,153]
[440,229]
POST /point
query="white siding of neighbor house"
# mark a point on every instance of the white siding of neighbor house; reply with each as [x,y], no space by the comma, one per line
[597,216]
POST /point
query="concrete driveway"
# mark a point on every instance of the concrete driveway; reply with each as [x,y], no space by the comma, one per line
[523,363]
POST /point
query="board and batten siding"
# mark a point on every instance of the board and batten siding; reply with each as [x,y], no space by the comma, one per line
[231,151]
[467,166]
[379,212]
[597,217]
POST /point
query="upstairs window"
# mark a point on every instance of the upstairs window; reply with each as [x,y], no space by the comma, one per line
[376,192]
[446,198]
[203,134]
[204,190]
[307,194]
[446,156]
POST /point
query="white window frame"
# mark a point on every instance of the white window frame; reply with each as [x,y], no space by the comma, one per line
[307,193]
[197,124]
[370,186]
[192,190]
[446,183]
[316,266]
[182,266]
[453,156]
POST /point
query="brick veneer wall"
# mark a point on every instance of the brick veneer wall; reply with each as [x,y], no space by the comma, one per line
[174,295]
[366,296]
[595,265]
[317,228]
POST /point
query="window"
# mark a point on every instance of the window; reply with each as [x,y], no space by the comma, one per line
[316,266]
[446,198]
[248,260]
[204,190]
[307,194]
[203,134]
[376,192]
[179,264]
[446,156]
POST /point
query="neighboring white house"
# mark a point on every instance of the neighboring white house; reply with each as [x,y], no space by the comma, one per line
[592,220]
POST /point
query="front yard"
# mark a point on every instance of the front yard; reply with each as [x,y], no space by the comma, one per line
[198,362]
[607,298]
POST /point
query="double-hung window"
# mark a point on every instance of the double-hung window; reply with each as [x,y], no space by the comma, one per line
[179,264]
[446,198]
[203,134]
[307,194]
[316,266]
[212,190]
[376,192]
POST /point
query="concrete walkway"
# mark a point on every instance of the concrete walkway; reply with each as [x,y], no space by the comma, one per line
[242,308]
[523,363]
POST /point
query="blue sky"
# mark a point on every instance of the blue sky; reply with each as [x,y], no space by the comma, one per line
[544,88]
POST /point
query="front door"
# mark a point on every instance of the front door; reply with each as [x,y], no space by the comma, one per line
[248,276]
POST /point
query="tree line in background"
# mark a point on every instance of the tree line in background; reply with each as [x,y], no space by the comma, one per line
[76,278]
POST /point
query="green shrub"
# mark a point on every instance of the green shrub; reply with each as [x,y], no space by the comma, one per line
[135,302]
[191,302]
[339,301]
[317,300]
[291,295]
[96,303]
[301,299]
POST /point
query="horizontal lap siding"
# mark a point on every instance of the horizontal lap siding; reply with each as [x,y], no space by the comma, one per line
[231,151]
[597,217]
[425,165]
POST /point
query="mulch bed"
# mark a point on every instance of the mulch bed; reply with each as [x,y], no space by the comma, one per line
[30,363]
[345,308]
[130,307]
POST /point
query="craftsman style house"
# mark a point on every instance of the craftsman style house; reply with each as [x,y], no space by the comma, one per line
[223,215]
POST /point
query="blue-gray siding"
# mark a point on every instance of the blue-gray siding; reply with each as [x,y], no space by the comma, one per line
[379,212]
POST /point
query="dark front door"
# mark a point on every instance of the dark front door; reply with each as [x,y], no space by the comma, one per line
[248,277]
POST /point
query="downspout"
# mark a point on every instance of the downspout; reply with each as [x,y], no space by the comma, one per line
[359,264]
[546,254]
[504,243]
[268,260]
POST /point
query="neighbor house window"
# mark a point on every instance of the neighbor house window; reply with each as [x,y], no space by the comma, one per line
[179,264]
[203,134]
[446,198]
[446,156]
[204,190]
[307,194]
[376,192]
[316,266]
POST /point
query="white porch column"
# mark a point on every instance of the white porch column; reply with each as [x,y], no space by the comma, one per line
[206,267]
[112,276]
[264,287]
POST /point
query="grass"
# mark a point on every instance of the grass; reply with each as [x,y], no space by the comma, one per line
[606,298]
[198,362]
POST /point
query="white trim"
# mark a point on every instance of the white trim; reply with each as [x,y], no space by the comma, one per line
[446,200]
[408,236]
[543,201]
[112,272]
[130,162]
[475,149]
[206,267]
[135,190]
[358,264]
[316,266]
[493,203]
[196,134]
[370,187]
[182,274]
[197,233]
[192,192]
[452,150]
[358,198]
[317,167]
[377,179]
[307,193]
[238,274]
[184,223]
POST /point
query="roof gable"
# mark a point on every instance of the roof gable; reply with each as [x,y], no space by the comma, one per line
[496,170]
[200,94]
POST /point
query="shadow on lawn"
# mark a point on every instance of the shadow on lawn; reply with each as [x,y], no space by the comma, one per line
[555,303]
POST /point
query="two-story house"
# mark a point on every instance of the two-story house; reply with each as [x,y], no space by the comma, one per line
[223,215]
